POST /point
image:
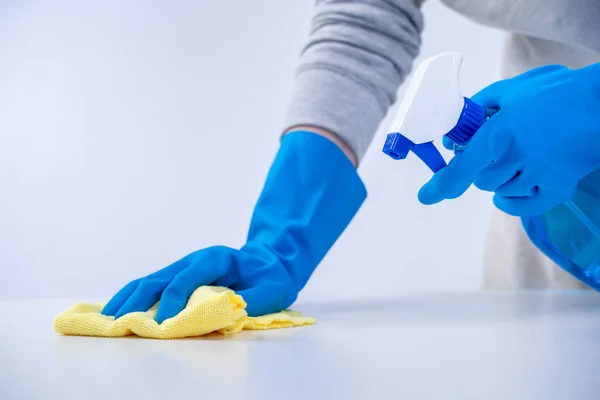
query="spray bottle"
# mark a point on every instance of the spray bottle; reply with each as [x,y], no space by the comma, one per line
[433,107]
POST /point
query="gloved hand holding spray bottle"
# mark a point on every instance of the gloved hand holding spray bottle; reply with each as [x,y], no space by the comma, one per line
[547,171]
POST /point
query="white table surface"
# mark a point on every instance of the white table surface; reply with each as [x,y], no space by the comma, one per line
[472,346]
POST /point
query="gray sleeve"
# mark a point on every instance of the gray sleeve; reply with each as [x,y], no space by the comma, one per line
[358,53]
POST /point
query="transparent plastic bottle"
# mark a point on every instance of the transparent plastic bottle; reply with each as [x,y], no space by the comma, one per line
[568,234]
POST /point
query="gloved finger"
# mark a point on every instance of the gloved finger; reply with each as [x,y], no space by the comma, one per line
[453,180]
[117,301]
[265,299]
[448,183]
[177,293]
[495,175]
[539,73]
[210,266]
[491,96]
[123,303]
[527,206]
[519,186]
[145,296]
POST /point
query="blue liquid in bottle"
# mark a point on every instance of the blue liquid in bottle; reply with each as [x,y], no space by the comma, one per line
[569,234]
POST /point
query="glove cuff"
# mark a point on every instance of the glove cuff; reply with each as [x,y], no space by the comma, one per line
[311,194]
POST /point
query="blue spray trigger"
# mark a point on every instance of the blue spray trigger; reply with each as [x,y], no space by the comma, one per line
[397,147]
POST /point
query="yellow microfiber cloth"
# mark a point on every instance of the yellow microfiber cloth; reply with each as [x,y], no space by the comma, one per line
[209,309]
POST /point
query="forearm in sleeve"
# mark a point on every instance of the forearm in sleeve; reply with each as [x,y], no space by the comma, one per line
[358,53]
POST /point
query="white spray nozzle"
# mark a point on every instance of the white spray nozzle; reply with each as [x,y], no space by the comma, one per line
[432,107]
[433,102]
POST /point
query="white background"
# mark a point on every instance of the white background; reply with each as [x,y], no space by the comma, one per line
[132,133]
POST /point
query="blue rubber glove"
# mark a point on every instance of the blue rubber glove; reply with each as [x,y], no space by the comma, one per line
[542,139]
[311,194]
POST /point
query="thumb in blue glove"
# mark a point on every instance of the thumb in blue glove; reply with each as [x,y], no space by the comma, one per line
[311,194]
[542,140]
